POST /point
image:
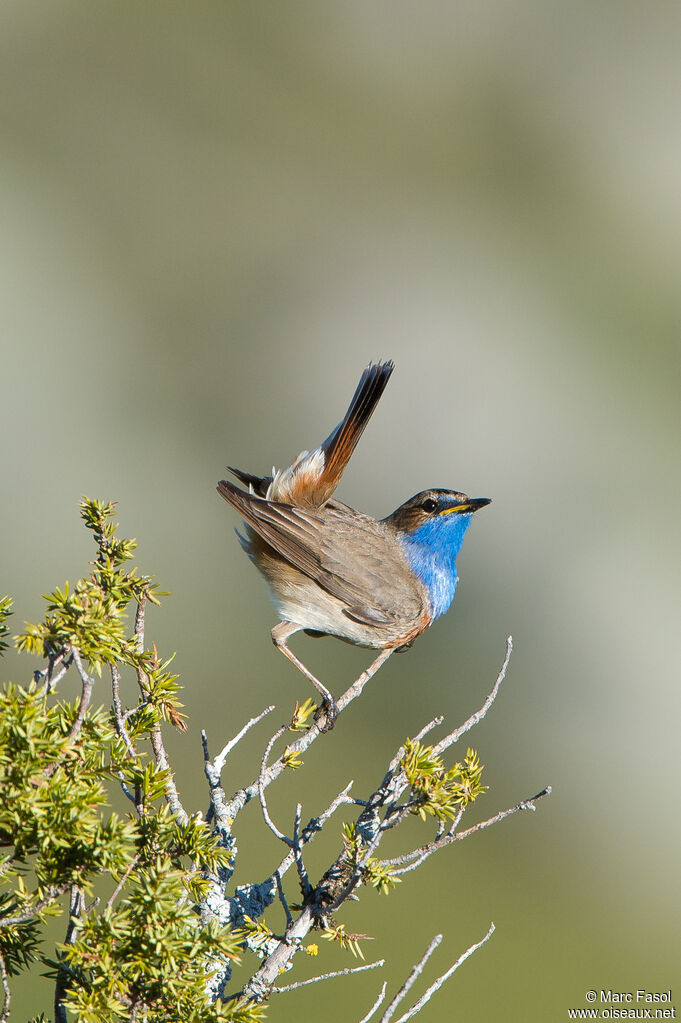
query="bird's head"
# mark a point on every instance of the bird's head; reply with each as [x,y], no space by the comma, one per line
[438,510]
[431,527]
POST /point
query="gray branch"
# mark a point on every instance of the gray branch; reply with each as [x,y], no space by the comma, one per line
[7,994]
[416,971]
[121,727]
[473,720]
[261,789]
[48,678]
[378,814]
[329,976]
[424,851]
[219,761]
[377,1004]
[417,1006]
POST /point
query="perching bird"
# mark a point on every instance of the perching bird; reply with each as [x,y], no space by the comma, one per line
[335,571]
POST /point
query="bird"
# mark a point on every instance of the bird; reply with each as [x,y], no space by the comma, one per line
[332,570]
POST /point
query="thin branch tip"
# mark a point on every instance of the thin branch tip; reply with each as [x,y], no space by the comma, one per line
[427,995]
[528,804]
[329,976]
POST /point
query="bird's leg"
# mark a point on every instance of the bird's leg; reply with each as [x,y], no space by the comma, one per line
[280,633]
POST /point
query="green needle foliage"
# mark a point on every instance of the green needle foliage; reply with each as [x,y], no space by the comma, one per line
[148,951]
[92,618]
[436,791]
[373,872]
[138,951]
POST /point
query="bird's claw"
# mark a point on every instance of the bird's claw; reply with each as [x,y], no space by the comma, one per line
[326,714]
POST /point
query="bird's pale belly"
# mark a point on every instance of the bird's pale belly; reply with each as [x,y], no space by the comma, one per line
[302,601]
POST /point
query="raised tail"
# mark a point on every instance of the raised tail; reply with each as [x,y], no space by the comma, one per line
[340,444]
[314,475]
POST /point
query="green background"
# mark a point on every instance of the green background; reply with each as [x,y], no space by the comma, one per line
[213,216]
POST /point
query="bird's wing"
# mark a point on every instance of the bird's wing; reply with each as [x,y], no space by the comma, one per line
[344,552]
[379,586]
[291,532]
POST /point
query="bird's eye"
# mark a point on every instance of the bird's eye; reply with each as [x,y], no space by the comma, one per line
[429,505]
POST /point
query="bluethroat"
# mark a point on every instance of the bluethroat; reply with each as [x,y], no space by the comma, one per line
[334,571]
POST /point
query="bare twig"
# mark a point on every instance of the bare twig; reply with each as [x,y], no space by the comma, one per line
[49,680]
[455,823]
[261,789]
[417,1006]
[315,825]
[329,976]
[429,727]
[424,851]
[76,906]
[282,898]
[413,975]
[218,810]
[219,761]
[88,684]
[118,710]
[358,685]
[454,736]
[526,804]
[172,795]
[7,994]
[377,1004]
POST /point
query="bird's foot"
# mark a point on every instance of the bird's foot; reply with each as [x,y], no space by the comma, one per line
[326,714]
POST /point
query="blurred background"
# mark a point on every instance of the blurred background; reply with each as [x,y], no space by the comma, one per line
[213,217]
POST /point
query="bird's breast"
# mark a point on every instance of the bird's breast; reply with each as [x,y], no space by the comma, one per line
[435,570]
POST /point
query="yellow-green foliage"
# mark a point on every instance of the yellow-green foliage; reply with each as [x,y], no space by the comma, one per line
[436,791]
[345,939]
[373,872]
[141,943]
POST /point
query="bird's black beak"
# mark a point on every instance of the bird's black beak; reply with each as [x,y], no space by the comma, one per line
[471,504]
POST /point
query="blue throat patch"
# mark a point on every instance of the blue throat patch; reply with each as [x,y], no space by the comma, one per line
[431,552]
